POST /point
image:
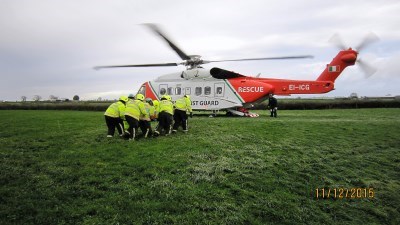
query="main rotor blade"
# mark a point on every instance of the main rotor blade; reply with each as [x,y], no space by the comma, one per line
[267,58]
[157,30]
[369,39]
[337,41]
[139,65]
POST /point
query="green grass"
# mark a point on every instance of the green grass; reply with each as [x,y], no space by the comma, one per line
[57,167]
[284,104]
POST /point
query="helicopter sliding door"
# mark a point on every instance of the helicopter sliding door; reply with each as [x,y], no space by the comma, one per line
[205,94]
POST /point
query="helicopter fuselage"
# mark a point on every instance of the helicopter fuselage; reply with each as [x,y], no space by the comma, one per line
[218,89]
[209,93]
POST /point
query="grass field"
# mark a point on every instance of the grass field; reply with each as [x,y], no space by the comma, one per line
[284,103]
[57,167]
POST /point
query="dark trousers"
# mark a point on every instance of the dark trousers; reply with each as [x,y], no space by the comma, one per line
[145,127]
[133,126]
[113,123]
[274,112]
[180,118]
[164,122]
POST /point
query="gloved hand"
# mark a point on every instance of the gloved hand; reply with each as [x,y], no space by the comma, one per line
[191,115]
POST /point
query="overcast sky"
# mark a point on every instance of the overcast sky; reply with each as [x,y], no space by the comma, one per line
[49,47]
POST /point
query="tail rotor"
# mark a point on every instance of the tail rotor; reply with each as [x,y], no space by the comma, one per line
[370,38]
[337,41]
[366,68]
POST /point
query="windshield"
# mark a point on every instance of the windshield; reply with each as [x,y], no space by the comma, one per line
[142,90]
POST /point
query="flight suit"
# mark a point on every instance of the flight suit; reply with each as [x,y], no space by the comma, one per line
[273,106]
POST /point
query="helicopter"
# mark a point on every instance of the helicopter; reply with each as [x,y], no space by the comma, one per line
[218,89]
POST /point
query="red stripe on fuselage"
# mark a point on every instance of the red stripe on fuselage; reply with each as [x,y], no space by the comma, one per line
[251,90]
[149,92]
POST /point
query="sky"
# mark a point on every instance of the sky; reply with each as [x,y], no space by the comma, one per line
[49,47]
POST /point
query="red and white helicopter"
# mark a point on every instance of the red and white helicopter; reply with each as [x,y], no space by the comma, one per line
[218,89]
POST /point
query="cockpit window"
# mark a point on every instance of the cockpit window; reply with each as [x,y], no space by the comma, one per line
[142,90]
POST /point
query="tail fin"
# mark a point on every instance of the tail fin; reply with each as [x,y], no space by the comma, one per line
[342,60]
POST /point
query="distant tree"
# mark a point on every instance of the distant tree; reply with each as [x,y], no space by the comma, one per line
[53,98]
[75,98]
[23,98]
[99,99]
[353,95]
[37,98]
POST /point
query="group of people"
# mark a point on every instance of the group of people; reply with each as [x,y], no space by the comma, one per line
[130,113]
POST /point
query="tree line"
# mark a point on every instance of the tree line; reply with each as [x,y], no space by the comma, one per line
[37,98]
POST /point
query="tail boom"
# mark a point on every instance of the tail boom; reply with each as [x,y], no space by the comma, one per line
[324,83]
[289,87]
[342,60]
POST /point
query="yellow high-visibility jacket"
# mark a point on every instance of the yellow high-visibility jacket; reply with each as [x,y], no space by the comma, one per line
[156,103]
[184,104]
[115,110]
[135,109]
[166,106]
[149,112]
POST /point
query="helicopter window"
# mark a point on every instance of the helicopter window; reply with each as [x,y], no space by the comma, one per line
[219,90]
[142,90]
[162,91]
[197,91]
[178,91]
[188,91]
[207,90]
[170,91]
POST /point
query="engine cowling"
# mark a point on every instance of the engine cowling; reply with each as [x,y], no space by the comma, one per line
[219,73]
[195,74]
